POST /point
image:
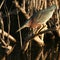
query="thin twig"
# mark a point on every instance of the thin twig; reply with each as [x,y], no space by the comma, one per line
[20,31]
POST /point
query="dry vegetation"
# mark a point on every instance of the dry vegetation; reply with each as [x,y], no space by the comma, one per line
[44,44]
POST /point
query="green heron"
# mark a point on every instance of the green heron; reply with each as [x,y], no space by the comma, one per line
[41,17]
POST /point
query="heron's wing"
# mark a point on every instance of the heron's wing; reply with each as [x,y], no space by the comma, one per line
[36,16]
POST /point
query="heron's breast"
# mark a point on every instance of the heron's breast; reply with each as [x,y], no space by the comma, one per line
[34,24]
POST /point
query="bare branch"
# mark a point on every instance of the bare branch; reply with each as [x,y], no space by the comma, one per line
[6,35]
[39,41]
[21,9]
